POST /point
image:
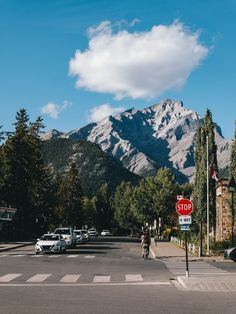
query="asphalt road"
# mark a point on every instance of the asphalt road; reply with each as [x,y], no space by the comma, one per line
[104,276]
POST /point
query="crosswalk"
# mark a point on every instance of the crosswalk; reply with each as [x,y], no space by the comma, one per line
[19,278]
[195,268]
[53,256]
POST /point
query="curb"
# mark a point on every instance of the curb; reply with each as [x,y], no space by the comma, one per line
[15,246]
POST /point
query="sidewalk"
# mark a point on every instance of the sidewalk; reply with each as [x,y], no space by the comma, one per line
[219,283]
[7,246]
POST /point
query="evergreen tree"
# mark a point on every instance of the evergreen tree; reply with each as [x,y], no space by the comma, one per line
[200,184]
[104,210]
[70,199]
[232,169]
[122,204]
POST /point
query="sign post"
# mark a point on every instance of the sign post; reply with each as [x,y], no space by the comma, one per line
[184,208]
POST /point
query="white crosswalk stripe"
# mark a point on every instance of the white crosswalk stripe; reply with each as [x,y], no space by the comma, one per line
[70,278]
[101,278]
[18,255]
[195,268]
[89,256]
[39,278]
[133,277]
[72,256]
[9,277]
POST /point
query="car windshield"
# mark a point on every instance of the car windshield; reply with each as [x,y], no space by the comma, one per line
[77,232]
[50,237]
[62,231]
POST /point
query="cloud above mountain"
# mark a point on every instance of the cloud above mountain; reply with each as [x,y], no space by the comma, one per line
[53,110]
[137,65]
[98,113]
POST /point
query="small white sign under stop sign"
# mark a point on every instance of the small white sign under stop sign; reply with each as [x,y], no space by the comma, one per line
[185,220]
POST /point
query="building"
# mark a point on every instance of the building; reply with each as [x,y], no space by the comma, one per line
[224,209]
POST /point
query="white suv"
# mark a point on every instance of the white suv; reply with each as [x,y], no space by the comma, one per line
[68,235]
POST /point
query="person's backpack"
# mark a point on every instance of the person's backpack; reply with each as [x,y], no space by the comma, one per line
[146,239]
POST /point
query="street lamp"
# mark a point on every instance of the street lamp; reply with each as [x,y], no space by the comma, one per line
[232,189]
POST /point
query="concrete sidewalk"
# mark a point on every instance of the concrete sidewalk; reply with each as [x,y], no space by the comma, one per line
[219,283]
[7,246]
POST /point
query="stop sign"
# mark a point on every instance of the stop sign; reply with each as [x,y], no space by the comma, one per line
[184,207]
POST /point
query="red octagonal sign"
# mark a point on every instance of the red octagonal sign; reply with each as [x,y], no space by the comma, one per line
[184,206]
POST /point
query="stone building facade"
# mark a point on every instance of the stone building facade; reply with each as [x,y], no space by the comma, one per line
[224,221]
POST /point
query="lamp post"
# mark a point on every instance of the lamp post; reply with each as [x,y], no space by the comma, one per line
[232,189]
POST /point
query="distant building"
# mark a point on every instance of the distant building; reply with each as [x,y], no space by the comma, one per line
[224,221]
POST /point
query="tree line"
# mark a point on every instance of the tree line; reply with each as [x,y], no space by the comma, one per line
[44,201]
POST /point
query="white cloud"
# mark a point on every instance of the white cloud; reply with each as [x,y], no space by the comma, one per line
[139,64]
[53,110]
[100,112]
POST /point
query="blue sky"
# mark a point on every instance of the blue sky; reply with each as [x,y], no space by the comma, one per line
[74,61]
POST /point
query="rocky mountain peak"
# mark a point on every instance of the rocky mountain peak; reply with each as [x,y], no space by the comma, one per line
[144,140]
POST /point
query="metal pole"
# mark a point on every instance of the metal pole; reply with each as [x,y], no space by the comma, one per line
[232,231]
[186,253]
[208,223]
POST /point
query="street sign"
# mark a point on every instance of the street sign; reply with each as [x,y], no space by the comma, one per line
[185,220]
[184,207]
[185,227]
[7,213]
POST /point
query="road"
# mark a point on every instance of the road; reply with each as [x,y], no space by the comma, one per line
[104,276]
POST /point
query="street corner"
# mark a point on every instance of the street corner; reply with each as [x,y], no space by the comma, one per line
[208,284]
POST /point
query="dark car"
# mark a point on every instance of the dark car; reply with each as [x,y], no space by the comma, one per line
[230,254]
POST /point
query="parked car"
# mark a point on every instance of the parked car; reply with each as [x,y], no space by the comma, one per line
[79,236]
[68,235]
[50,242]
[86,235]
[230,254]
[105,233]
[92,232]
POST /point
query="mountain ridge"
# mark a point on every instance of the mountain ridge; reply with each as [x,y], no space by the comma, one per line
[144,140]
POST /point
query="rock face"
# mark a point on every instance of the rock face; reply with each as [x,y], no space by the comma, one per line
[158,136]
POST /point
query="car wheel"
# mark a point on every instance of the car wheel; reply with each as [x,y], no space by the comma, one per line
[37,253]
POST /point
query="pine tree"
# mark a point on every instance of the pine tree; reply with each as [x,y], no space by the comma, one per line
[70,199]
[232,169]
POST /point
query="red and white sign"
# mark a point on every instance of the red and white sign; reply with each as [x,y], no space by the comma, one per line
[184,207]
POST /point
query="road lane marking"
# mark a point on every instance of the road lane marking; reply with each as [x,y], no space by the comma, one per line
[9,277]
[37,255]
[89,256]
[154,283]
[133,277]
[18,255]
[3,255]
[54,255]
[101,278]
[70,278]
[38,278]
[72,256]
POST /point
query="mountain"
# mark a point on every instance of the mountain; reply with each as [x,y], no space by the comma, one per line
[94,166]
[157,136]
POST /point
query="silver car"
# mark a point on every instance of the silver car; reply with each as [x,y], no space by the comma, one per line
[50,243]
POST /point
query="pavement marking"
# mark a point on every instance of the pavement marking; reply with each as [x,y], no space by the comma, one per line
[101,278]
[89,256]
[70,278]
[54,255]
[154,283]
[133,277]
[72,256]
[18,255]
[9,277]
[38,278]
[3,255]
[195,268]
[37,255]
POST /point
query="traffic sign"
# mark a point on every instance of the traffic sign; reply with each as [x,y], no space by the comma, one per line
[184,207]
[185,227]
[185,220]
